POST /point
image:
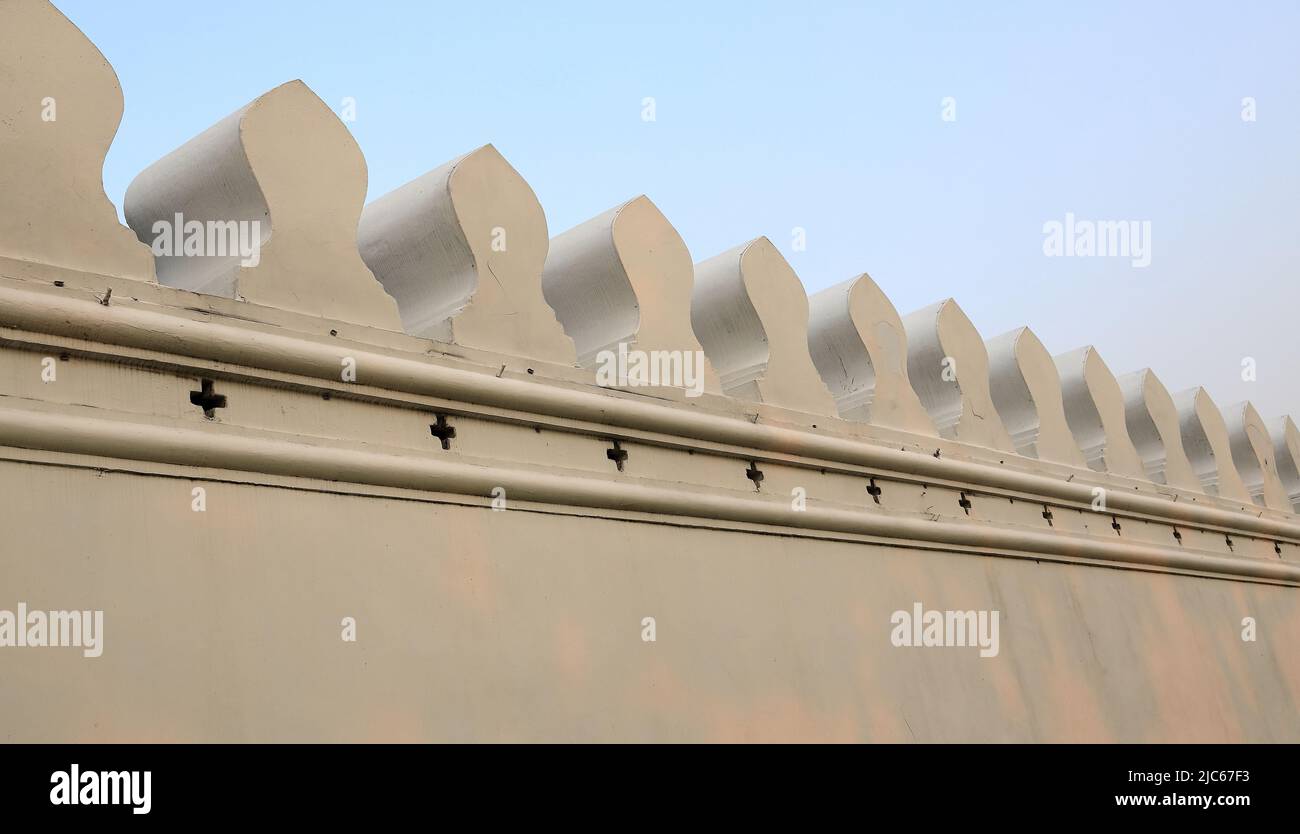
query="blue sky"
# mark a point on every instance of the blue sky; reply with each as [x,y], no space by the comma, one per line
[824,116]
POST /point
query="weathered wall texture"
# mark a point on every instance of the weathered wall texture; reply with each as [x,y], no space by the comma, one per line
[415,425]
[482,625]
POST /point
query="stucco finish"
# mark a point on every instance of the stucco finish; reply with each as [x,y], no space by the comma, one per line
[496,626]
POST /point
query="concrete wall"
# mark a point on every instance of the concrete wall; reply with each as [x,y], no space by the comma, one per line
[398,413]
[518,625]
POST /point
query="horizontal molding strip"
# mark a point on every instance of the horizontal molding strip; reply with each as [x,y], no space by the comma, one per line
[212,447]
[120,324]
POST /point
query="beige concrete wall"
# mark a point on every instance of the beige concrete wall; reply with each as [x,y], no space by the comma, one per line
[519,625]
[837,463]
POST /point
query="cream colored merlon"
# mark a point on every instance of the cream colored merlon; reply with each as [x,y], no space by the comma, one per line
[1286,451]
[61,105]
[1094,410]
[949,370]
[625,278]
[461,249]
[859,346]
[1153,426]
[286,163]
[1205,440]
[1026,390]
[1252,452]
[750,313]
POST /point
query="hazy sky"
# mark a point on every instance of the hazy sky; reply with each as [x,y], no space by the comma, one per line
[827,117]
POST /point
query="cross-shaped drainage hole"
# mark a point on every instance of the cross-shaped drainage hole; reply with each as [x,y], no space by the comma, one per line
[618,454]
[1047,514]
[442,431]
[1114,523]
[964,503]
[874,491]
[207,400]
[754,475]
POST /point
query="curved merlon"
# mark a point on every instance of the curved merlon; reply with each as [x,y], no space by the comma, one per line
[1252,451]
[1154,428]
[751,314]
[858,343]
[294,205]
[1026,389]
[51,164]
[461,249]
[1205,440]
[949,369]
[1094,410]
[624,278]
[1286,451]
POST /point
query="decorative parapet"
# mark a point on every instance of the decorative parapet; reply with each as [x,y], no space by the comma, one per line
[282,183]
[849,396]
[949,369]
[1026,390]
[62,106]
[1286,451]
[625,278]
[1252,452]
[751,315]
[1205,440]
[461,249]
[859,346]
[1154,428]
[1094,409]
